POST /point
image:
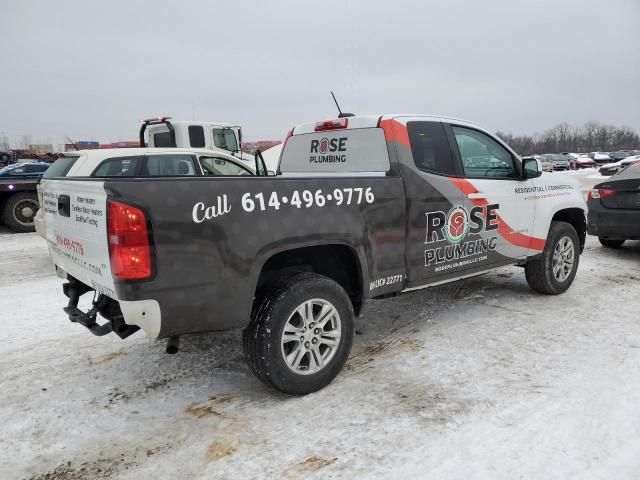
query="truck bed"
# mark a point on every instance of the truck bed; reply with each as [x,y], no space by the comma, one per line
[211,237]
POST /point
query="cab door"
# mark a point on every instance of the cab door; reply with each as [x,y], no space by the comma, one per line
[427,166]
[501,203]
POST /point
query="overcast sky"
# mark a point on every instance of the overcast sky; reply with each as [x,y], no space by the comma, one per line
[92,69]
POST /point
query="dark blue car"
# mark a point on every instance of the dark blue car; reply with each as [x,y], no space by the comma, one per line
[24,170]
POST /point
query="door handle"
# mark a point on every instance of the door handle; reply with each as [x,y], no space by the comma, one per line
[476,196]
[64,205]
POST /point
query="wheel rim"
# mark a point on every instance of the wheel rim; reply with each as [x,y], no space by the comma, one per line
[563,259]
[311,336]
[24,211]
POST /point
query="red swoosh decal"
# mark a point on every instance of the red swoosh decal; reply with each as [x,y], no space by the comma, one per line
[394,131]
[511,236]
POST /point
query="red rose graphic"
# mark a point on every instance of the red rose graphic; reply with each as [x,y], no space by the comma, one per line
[457,224]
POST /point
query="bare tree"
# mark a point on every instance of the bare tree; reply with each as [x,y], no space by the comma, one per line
[25,141]
[593,136]
[4,143]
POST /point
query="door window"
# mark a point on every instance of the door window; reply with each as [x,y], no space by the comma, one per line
[430,147]
[118,167]
[222,167]
[483,156]
[169,165]
[225,138]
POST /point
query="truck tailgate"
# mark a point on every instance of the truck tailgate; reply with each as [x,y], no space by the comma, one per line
[75,218]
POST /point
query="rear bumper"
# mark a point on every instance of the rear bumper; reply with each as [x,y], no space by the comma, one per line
[612,223]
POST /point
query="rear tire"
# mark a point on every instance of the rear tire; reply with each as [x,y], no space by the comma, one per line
[553,271]
[610,243]
[287,345]
[20,210]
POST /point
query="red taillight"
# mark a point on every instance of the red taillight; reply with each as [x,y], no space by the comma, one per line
[128,237]
[601,193]
[336,124]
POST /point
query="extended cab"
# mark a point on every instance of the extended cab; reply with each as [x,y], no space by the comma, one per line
[362,207]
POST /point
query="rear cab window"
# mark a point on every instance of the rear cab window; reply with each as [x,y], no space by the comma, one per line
[430,148]
[196,136]
[162,140]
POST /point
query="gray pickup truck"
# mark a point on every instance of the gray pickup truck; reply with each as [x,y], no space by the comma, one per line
[361,207]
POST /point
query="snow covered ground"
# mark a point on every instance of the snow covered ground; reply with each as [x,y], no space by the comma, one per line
[478,379]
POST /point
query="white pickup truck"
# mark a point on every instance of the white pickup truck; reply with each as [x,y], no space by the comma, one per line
[164,132]
[361,207]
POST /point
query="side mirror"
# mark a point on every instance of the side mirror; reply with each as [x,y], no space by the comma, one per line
[531,168]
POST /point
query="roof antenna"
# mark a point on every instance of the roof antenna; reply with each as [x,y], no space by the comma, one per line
[72,143]
[340,114]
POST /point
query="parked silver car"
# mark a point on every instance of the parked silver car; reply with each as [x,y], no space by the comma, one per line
[558,160]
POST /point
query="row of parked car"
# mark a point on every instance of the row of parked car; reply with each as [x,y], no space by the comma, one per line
[609,163]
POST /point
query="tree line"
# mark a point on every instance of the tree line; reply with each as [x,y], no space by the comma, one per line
[592,137]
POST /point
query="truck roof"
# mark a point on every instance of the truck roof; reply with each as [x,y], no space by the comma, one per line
[371,121]
[194,122]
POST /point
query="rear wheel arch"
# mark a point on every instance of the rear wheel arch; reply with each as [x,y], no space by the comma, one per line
[340,262]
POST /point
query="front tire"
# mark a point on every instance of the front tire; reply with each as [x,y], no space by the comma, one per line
[553,271]
[300,334]
[610,243]
[20,210]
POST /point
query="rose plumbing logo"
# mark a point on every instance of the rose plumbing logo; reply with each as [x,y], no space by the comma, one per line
[457,224]
[324,145]
[454,226]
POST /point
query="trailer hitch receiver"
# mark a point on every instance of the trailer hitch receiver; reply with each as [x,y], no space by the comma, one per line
[74,291]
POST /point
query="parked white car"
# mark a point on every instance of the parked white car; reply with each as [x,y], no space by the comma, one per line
[142,162]
[600,158]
